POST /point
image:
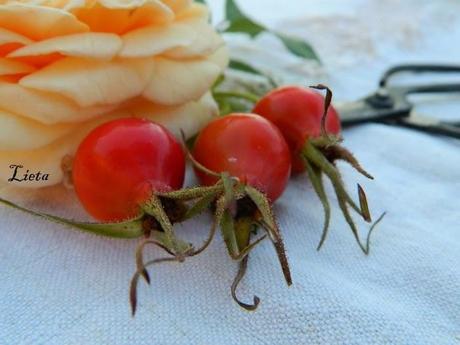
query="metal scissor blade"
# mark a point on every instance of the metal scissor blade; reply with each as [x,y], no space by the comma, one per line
[430,125]
[362,111]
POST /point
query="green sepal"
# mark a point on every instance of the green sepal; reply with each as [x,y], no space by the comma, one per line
[125,230]
[228,184]
[364,205]
[192,193]
[227,226]
[200,206]
[154,208]
[270,225]
[316,180]
[244,227]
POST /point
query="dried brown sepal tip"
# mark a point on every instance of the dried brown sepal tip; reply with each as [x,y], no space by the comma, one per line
[241,273]
[319,155]
[135,281]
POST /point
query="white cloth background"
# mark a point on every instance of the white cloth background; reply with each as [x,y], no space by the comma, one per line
[59,287]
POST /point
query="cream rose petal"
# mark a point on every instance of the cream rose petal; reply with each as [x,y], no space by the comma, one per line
[207,41]
[196,11]
[153,40]
[178,5]
[7,36]
[122,16]
[189,117]
[68,5]
[20,133]
[130,4]
[90,82]
[220,57]
[38,23]
[11,67]
[45,107]
[89,45]
[175,82]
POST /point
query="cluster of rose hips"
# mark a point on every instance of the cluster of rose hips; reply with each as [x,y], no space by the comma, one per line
[129,174]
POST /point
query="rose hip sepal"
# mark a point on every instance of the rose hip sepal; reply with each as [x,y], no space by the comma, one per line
[311,127]
[130,229]
[244,162]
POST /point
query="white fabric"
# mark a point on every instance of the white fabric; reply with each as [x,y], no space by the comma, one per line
[60,287]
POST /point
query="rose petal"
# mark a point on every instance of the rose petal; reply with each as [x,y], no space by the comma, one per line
[153,40]
[190,117]
[91,82]
[90,45]
[37,22]
[120,17]
[20,133]
[45,107]
[207,41]
[178,5]
[7,36]
[196,11]
[10,67]
[176,82]
[220,57]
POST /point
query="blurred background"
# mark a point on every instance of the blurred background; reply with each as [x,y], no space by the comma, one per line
[356,40]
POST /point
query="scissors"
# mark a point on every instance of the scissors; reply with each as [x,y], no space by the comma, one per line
[391,105]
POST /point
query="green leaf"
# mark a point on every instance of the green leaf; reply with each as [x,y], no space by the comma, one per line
[233,12]
[201,1]
[240,22]
[298,47]
[247,26]
[244,67]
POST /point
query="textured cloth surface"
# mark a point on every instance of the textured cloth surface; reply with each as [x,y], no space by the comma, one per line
[60,287]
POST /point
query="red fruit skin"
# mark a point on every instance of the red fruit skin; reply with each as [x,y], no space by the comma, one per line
[248,147]
[121,163]
[297,112]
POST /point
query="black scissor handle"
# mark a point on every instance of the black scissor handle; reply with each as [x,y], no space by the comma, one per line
[430,88]
[417,68]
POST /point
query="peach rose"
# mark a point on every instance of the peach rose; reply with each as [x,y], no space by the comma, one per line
[68,66]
